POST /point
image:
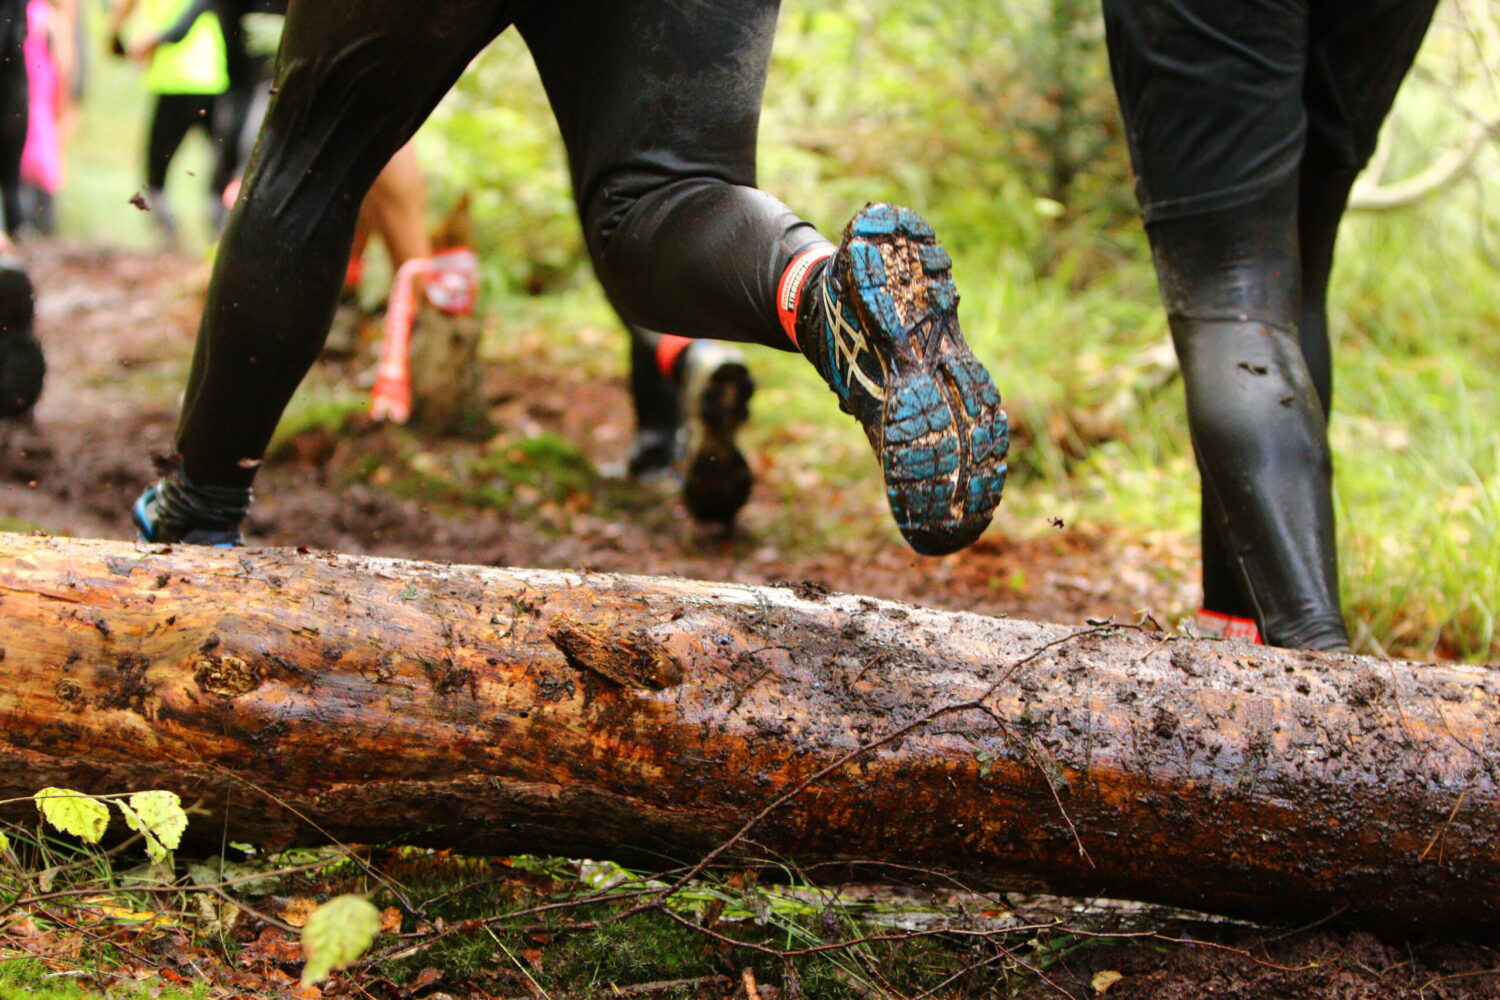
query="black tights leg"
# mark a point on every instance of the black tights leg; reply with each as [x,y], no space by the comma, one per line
[14,116]
[354,80]
[1232,284]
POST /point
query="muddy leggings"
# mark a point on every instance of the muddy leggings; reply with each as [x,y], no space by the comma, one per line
[1247,124]
[15,103]
[658,102]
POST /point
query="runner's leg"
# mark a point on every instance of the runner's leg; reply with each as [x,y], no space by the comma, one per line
[654,397]
[15,101]
[663,170]
[1361,53]
[172,117]
[658,103]
[355,78]
[1213,103]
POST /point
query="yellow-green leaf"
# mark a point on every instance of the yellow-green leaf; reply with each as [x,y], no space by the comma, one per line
[337,933]
[162,814]
[154,850]
[73,812]
[4,843]
[1102,981]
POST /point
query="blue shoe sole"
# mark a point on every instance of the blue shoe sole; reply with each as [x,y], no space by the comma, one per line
[942,435]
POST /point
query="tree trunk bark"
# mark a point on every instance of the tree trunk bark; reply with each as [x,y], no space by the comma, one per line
[308,696]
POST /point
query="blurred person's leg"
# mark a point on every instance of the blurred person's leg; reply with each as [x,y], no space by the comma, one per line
[395,210]
[173,116]
[691,399]
[22,367]
[354,79]
[15,98]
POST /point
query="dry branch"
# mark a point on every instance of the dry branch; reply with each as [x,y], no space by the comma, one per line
[314,696]
[1373,194]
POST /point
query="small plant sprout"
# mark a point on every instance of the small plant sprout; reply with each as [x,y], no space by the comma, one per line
[157,816]
[337,934]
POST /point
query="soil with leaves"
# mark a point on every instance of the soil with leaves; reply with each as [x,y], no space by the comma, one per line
[96,896]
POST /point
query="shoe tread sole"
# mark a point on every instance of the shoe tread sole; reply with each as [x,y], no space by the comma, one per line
[942,434]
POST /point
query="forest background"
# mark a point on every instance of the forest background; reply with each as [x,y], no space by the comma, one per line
[998,121]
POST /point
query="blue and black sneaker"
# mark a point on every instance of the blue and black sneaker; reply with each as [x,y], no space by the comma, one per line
[173,510]
[880,324]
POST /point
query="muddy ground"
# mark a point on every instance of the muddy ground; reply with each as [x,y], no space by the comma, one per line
[118,328]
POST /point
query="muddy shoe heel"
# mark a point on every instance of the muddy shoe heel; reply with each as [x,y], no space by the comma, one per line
[716,391]
[22,366]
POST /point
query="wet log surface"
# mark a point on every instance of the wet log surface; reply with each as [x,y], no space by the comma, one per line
[310,696]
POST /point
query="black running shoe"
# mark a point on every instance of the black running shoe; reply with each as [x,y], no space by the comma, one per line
[22,367]
[880,323]
[715,394]
[171,511]
[653,456]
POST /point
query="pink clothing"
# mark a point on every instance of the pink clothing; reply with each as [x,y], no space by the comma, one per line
[41,159]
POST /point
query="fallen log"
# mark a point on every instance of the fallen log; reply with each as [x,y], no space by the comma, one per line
[303,696]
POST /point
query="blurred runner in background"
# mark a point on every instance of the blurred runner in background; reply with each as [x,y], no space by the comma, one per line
[185,78]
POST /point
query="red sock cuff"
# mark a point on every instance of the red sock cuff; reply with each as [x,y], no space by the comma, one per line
[355,272]
[667,351]
[1216,623]
[789,289]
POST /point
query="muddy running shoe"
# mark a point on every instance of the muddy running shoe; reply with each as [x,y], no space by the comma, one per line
[715,394]
[880,324]
[173,510]
[22,367]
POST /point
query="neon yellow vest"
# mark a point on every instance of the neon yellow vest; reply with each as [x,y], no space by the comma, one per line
[194,65]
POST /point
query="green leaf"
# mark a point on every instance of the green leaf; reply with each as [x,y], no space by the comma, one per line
[154,850]
[4,843]
[73,812]
[337,933]
[163,815]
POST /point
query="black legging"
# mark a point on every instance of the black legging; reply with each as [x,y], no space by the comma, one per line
[652,393]
[1247,123]
[15,106]
[658,102]
[173,116]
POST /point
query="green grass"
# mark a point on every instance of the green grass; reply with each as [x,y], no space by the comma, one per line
[29,979]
